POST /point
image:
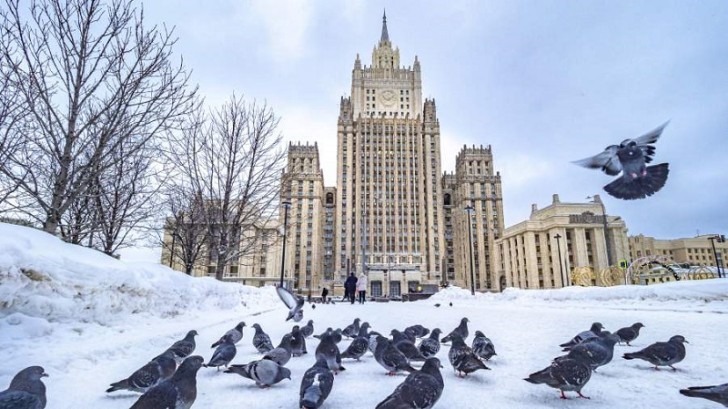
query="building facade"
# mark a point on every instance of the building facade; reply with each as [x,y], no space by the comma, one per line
[694,251]
[544,250]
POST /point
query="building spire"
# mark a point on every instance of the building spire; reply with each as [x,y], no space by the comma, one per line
[385,33]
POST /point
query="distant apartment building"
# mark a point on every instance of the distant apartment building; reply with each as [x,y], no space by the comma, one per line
[694,251]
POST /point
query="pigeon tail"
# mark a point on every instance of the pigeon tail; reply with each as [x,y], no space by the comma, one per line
[639,186]
[311,397]
[629,356]
[117,386]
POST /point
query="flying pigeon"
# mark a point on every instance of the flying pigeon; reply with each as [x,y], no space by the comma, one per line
[235,334]
[282,353]
[329,352]
[461,329]
[390,358]
[261,340]
[406,346]
[351,330]
[316,385]
[307,330]
[298,342]
[662,353]
[421,389]
[293,302]
[629,334]
[716,393]
[26,390]
[565,375]
[431,346]
[594,352]
[158,369]
[359,345]
[177,392]
[224,353]
[483,346]
[593,332]
[264,372]
[630,157]
[462,357]
[184,347]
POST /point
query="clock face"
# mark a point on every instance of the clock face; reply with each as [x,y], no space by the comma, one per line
[388,97]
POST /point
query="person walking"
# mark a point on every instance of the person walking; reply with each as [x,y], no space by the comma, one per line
[361,287]
[350,287]
[324,294]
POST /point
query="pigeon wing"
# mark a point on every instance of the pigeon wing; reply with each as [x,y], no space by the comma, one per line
[644,142]
[607,161]
[288,298]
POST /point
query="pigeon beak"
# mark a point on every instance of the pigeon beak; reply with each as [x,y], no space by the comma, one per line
[686,341]
[44,375]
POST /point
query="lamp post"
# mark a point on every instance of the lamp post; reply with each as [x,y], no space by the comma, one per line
[720,239]
[286,205]
[564,282]
[597,199]
[469,209]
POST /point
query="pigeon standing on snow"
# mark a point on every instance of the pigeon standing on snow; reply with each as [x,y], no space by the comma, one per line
[390,358]
[359,345]
[184,347]
[352,330]
[316,385]
[224,353]
[461,329]
[298,342]
[483,346]
[565,375]
[293,302]
[593,332]
[26,390]
[594,352]
[372,339]
[235,335]
[418,330]
[264,372]
[406,347]
[629,334]
[462,357]
[662,353]
[431,346]
[177,392]
[282,353]
[307,330]
[155,371]
[261,340]
[329,352]
[630,157]
[716,393]
[421,389]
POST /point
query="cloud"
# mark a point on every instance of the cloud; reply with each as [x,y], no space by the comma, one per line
[287,25]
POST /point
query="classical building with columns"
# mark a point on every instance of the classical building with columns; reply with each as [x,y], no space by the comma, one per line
[541,252]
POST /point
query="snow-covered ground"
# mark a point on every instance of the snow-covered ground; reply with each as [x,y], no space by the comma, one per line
[91,320]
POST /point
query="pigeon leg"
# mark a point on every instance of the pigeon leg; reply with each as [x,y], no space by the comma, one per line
[582,396]
[656,368]
[673,368]
[562,394]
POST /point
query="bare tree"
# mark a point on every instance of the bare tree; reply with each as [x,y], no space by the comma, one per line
[91,76]
[186,227]
[233,161]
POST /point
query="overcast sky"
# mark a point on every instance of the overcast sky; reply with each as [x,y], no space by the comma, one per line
[543,82]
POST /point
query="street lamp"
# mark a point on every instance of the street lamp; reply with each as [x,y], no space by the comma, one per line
[719,239]
[469,209]
[561,263]
[597,199]
[286,205]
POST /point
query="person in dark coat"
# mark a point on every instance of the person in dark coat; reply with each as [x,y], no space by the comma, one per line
[324,294]
[350,287]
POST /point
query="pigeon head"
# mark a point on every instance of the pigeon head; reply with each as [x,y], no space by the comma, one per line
[597,327]
[457,340]
[31,373]
[464,320]
[310,322]
[637,325]
[240,326]
[479,334]
[257,327]
[438,331]
[431,364]
[679,339]
[191,334]
[285,373]
[190,365]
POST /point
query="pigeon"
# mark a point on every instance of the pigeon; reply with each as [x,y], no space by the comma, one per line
[421,389]
[316,385]
[184,347]
[313,306]
[158,369]
[264,372]
[224,353]
[629,334]
[298,342]
[177,392]
[293,302]
[461,330]
[565,375]
[406,346]
[307,330]
[235,334]
[352,330]
[716,393]
[359,345]
[372,339]
[462,357]
[662,353]
[451,303]
[418,330]
[630,157]
[261,340]
[26,390]
[329,352]
[337,334]
[595,352]
[593,332]
[390,358]
[410,335]
[483,346]
[431,346]
[282,353]
[437,305]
